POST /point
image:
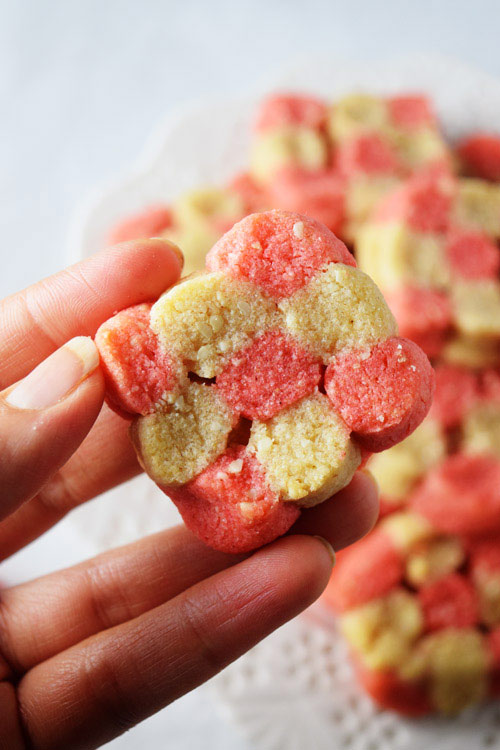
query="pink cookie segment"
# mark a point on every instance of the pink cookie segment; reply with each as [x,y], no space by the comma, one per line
[269,375]
[423,315]
[365,571]
[382,396]
[472,255]
[393,693]
[367,154]
[279,251]
[456,393]
[424,202]
[253,197]
[461,495]
[450,602]
[485,555]
[291,109]
[411,112]
[148,223]
[480,153]
[490,385]
[231,506]
[138,371]
[319,194]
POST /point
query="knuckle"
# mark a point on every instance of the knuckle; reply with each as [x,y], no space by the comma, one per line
[104,690]
[203,617]
[108,599]
[58,496]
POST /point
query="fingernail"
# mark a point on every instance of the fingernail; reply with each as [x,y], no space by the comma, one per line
[173,247]
[328,546]
[56,376]
[368,473]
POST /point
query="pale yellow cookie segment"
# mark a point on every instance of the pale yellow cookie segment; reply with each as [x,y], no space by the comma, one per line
[399,468]
[487,584]
[206,205]
[195,241]
[197,215]
[291,145]
[406,529]
[204,320]
[433,559]
[393,255]
[481,430]
[383,631]
[306,451]
[356,114]
[175,444]
[455,660]
[339,307]
[471,351]
[363,194]
[477,206]
[418,148]
[476,306]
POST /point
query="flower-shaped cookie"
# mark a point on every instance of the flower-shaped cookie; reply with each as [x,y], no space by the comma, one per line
[254,386]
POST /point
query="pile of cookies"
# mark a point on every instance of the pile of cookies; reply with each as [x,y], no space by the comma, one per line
[419,599]
[333,163]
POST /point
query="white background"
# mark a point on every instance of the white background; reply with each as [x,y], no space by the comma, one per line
[82,82]
[81,86]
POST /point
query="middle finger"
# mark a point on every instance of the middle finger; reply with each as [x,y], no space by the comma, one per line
[68,606]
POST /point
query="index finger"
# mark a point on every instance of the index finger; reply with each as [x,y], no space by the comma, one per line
[74,302]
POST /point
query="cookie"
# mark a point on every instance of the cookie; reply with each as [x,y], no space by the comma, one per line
[239,373]
[151,222]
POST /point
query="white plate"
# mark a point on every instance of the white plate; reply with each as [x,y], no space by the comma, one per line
[295,690]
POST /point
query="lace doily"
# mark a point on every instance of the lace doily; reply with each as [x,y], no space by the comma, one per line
[296,689]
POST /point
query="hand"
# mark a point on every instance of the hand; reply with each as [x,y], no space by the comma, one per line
[88,652]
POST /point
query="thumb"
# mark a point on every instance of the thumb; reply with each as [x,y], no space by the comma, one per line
[45,417]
